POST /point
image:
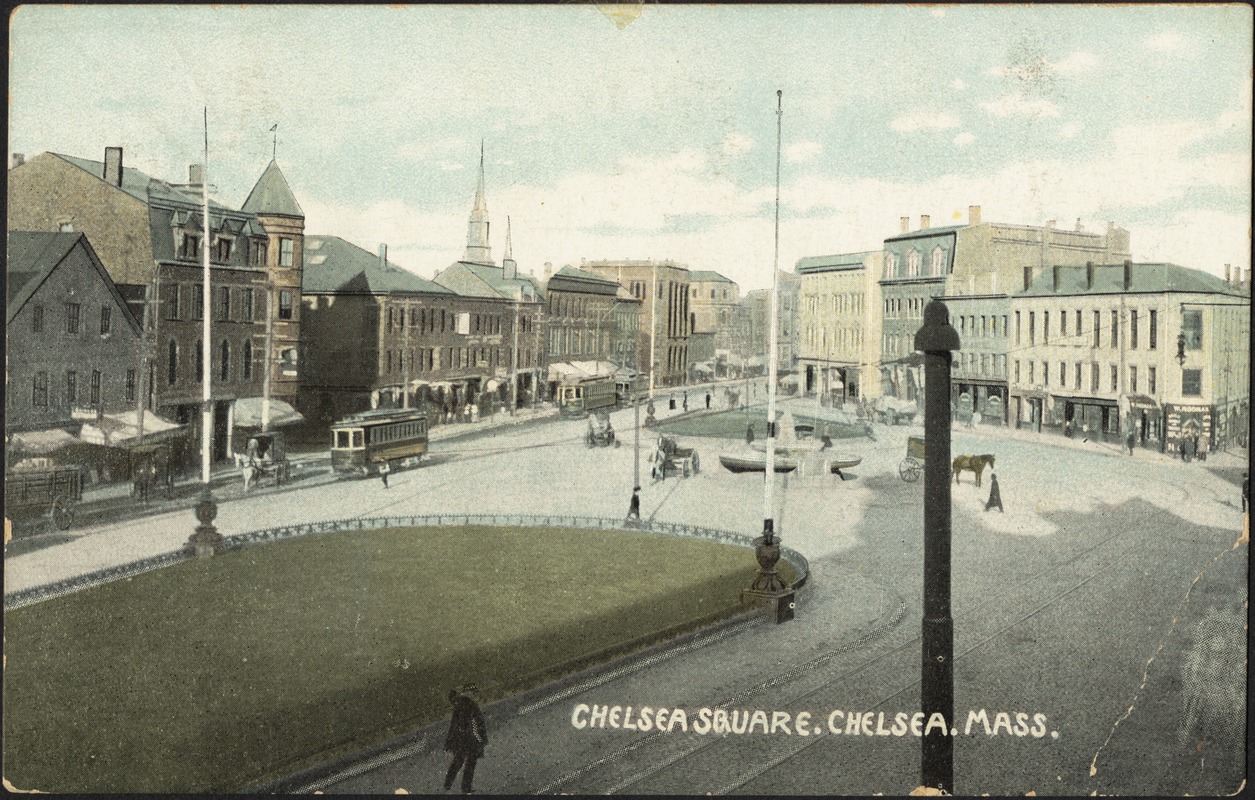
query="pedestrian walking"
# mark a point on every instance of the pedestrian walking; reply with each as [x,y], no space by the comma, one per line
[995,495]
[466,739]
[686,401]
[634,507]
[1130,441]
[384,469]
[671,400]
[707,401]
[749,433]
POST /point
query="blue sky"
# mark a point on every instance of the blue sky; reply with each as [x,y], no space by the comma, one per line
[656,138]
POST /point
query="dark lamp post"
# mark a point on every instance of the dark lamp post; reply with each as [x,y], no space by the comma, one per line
[938,340]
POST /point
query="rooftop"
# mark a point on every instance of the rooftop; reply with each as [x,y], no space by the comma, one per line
[1147,278]
[336,266]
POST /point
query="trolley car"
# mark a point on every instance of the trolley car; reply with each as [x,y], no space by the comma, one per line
[361,442]
[577,398]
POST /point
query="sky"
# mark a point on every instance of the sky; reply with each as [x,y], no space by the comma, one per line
[650,131]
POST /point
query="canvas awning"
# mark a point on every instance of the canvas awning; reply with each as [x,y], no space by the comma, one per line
[40,442]
[248,413]
[123,430]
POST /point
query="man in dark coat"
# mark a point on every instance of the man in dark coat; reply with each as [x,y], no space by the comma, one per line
[634,508]
[995,495]
[1246,491]
[466,739]
[1130,441]
[707,401]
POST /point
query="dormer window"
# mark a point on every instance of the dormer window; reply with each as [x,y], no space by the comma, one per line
[189,246]
[939,261]
[257,252]
[891,264]
[222,250]
[912,263]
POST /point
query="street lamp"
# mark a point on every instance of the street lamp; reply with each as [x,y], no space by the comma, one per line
[1181,348]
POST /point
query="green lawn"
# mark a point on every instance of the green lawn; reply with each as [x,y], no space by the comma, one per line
[218,673]
[731,425]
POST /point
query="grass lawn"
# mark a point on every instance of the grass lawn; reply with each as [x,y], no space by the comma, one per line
[218,673]
[731,425]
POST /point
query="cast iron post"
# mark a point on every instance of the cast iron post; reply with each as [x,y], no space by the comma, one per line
[937,339]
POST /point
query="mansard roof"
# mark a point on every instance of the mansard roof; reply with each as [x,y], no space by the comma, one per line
[1147,278]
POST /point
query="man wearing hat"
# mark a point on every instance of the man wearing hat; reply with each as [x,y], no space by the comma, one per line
[466,739]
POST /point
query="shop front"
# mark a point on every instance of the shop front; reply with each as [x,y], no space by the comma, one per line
[1145,418]
[1192,422]
[1093,418]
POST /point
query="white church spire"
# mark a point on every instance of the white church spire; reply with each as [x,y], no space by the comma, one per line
[509,267]
[478,251]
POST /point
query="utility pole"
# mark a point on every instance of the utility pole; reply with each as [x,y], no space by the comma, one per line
[938,340]
[206,538]
[270,357]
[653,328]
[514,361]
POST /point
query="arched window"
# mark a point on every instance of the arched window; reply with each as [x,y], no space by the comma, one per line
[246,360]
[939,261]
[224,362]
[172,363]
[912,263]
[891,264]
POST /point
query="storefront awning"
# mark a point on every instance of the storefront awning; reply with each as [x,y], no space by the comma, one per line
[122,430]
[248,413]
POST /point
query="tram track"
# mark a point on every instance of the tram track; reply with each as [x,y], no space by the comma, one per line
[843,679]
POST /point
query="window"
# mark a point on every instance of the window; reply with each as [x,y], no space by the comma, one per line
[172,301]
[1133,330]
[388,363]
[95,387]
[105,321]
[222,250]
[1115,329]
[1045,327]
[1017,327]
[1077,373]
[1078,323]
[1132,379]
[285,304]
[172,363]
[257,252]
[1150,380]
[1191,382]
[1153,333]
[1045,373]
[1063,323]
[39,390]
[224,361]
[1192,327]
[246,304]
[1032,323]
[1063,374]
[285,252]
[1097,329]
[891,264]
[130,386]
[71,388]
[246,360]
[1032,372]
[1115,378]
[912,263]
[198,301]
[938,261]
[37,318]
[1093,376]
[389,326]
[71,317]
[189,247]
[224,303]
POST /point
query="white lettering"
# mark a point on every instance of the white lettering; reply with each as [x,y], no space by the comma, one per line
[576,720]
[679,717]
[614,716]
[899,724]
[834,726]
[803,723]
[780,721]
[647,722]
[1039,726]
[703,721]
[599,716]
[936,720]
[881,730]
[980,716]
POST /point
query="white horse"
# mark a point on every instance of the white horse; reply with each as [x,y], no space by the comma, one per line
[249,468]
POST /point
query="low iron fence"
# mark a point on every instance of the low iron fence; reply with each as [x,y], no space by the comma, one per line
[35,594]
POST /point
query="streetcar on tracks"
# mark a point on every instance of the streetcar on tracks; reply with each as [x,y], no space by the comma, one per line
[579,397]
[361,443]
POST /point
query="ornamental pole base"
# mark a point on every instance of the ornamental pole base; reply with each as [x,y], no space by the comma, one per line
[206,540]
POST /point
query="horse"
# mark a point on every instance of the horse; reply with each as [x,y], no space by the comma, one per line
[976,464]
[249,468]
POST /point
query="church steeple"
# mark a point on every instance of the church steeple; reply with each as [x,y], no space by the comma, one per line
[509,268]
[478,251]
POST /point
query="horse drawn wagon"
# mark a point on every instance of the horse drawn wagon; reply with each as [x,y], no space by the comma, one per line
[670,459]
[911,466]
[29,493]
[892,411]
[600,431]
[264,457]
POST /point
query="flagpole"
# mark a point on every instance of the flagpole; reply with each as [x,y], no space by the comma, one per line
[205,540]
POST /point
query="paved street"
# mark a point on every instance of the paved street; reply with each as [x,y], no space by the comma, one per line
[1090,587]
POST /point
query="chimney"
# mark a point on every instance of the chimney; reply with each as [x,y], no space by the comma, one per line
[1227,269]
[548,270]
[1028,278]
[113,166]
[1089,274]
[383,256]
[196,174]
[973,215]
[1078,225]
[904,224]
[925,222]
[1055,277]
[1050,223]
[1128,274]
[18,159]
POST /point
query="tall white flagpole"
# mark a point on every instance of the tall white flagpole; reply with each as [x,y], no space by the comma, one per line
[769,494]
[207,413]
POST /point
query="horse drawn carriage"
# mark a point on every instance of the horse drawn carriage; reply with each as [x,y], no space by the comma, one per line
[670,459]
[911,466]
[892,411]
[265,456]
[31,492]
[600,431]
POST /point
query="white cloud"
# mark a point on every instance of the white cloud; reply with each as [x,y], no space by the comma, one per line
[1014,105]
[802,151]
[1069,130]
[1074,63]
[958,85]
[964,139]
[1167,41]
[736,144]
[909,123]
